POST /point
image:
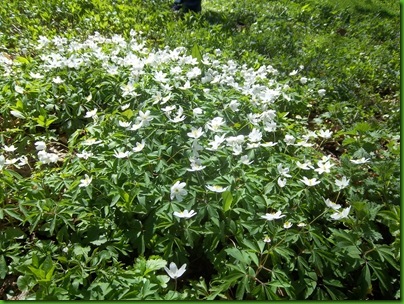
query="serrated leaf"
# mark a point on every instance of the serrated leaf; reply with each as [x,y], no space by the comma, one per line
[78,250]
[153,265]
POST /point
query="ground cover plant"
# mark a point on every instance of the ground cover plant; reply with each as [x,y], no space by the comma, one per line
[248,152]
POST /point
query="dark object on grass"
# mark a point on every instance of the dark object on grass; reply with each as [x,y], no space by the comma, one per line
[187,5]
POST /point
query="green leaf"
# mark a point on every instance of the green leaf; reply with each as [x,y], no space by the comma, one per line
[48,265]
[153,265]
[238,255]
[385,253]
[196,53]
[383,279]
[25,282]
[14,233]
[78,250]
[227,200]
[13,214]
[3,267]
[365,280]
[37,272]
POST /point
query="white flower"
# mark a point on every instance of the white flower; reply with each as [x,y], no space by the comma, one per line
[343,183]
[303,143]
[197,111]
[253,145]
[179,116]
[216,188]
[144,118]
[289,140]
[35,75]
[11,161]
[57,80]
[304,166]
[360,161]
[195,72]
[217,142]
[139,146]
[331,204]
[89,97]
[235,140]
[270,126]
[186,86]
[90,142]
[269,144]
[196,166]
[267,239]
[273,216]
[124,124]
[23,160]
[303,80]
[9,148]
[160,77]
[321,92]
[195,133]
[136,126]
[84,155]
[233,105]
[185,214]
[86,181]
[40,145]
[91,114]
[287,225]
[17,114]
[301,225]
[119,154]
[255,135]
[177,191]
[283,171]
[129,90]
[254,118]
[2,160]
[19,89]
[245,160]
[168,109]
[237,149]
[325,134]
[174,272]
[310,182]
[215,124]
[323,167]
[294,72]
[47,158]
[124,107]
[341,214]
[282,182]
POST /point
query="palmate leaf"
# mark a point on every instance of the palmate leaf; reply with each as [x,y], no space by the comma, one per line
[383,278]
[385,253]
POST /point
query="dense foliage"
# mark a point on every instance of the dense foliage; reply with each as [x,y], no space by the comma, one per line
[256,144]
